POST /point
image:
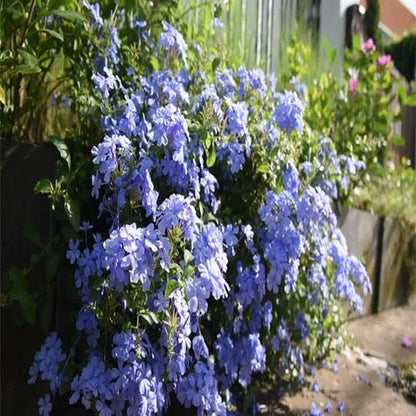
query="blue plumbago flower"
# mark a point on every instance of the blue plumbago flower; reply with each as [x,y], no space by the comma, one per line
[230,236]
[341,407]
[177,211]
[315,411]
[251,80]
[94,382]
[47,363]
[237,119]
[209,185]
[45,405]
[169,124]
[363,379]
[217,24]
[267,314]
[282,339]
[315,387]
[199,389]
[130,253]
[306,167]
[234,153]
[291,179]
[73,253]
[226,82]
[211,260]
[94,10]
[253,358]
[300,87]
[88,323]
[328,407]
[125,345]
[283,243]
[105,82]
[172,41]
[208,94]
[158,302]
[288,113]
[199,347]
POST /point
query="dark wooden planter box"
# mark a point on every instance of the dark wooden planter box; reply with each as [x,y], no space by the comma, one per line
[361,230]
[388,251]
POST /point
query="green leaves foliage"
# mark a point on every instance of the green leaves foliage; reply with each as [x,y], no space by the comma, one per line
[19,291]
[62,148]
[72,210]
[43,186]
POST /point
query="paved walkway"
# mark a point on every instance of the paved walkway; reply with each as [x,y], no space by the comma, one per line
[359,379]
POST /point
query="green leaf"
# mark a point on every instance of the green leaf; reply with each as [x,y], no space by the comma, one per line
[356,43]
[263,168]
[207,142]
[2,96]
[398,141]
[170,287]
[55,4]
[189,271]
[330,52]
[211,157]
[19,291]
[155,63]
[187,256]
[411,100]
[218,10]
[44,186]
[146,317]
[62,149]
[28,57]
[332,56]
[26,69]
[153,317]
[72,210]
[215,64]
[53,33]
[401,91]
[70,15]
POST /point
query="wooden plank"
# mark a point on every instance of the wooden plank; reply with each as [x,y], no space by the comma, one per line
[251,33]
[275,34]
[259,31]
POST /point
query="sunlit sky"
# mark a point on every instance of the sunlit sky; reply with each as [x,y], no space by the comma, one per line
[410,4]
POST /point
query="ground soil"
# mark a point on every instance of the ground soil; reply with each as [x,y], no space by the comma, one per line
[363,369]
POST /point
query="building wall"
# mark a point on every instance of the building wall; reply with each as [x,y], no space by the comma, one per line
[332,25]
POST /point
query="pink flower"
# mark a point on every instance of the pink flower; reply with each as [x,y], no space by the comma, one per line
[406,342]
[353,85]
[384,60]
[368,46]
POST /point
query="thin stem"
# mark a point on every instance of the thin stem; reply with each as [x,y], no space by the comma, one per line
[32,9]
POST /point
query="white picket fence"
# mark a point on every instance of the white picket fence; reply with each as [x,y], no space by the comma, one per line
[256,30]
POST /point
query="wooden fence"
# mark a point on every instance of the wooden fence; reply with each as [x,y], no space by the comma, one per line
[255,30]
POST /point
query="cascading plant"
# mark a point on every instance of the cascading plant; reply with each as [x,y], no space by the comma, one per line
[217,263]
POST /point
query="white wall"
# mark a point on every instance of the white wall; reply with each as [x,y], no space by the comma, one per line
[332,25]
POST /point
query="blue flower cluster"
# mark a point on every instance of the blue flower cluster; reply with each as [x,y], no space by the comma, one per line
[181,295]
[47,364]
